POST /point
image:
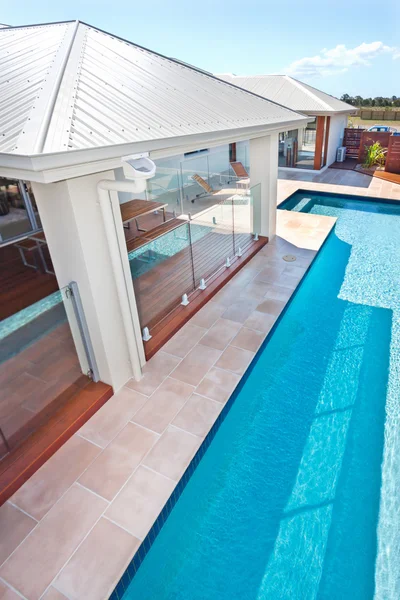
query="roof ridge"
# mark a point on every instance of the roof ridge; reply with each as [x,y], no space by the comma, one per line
[300,85]
[44,128]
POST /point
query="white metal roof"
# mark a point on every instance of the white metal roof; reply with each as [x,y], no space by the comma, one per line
[68,86]
[290,92]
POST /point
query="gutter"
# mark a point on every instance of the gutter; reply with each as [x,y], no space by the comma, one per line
[123,279]
[75,163]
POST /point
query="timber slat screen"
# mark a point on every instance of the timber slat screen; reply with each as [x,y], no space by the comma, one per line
[174,263]
[393,155]
[352,141]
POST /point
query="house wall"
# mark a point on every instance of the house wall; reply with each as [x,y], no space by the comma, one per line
[336,134]
[76,238]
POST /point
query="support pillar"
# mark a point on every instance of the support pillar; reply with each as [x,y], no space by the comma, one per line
[264,175]
[77,241]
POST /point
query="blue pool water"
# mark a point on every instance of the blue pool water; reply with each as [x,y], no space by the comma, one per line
[152,254]
[28,314]
[297,496]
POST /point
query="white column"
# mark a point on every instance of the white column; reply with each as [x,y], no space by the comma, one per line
[75,233]
[264,173]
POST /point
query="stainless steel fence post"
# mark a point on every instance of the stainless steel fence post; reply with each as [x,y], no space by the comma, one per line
[83,329]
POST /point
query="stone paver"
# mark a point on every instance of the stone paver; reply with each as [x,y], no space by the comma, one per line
[61,539]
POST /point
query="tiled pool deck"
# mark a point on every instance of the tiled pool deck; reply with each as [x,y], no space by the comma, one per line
[71,530]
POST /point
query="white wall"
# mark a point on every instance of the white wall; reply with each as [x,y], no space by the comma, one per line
[264,180]
[336,133]
[74,228]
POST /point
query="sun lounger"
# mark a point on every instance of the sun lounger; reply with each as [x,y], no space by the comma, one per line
[243,178]
[202,183]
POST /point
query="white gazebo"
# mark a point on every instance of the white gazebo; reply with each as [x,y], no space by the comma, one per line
[76,100]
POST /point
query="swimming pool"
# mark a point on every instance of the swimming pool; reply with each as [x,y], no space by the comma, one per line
[154,253]
[297,495]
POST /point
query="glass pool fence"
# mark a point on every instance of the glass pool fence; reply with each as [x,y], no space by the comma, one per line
[45,357]
[183,260]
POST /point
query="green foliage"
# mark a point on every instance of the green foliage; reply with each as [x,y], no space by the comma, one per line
[379,101]
[375,155]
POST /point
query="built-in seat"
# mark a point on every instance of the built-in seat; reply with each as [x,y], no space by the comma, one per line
[153,234]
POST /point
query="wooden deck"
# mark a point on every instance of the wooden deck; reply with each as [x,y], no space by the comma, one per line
[175,319]
[29,456]
[159,290]
[41,382]
[349,164]
[21,286]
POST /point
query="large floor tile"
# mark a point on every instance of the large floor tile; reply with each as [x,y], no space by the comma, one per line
[96,567]
[173,452]
[14,527]
[235,360]
[53,594]
[207,315]
[271,306]
[139,503]
[112,417]
[260,321]
[7,593]
[42,554]
[164,404]
[278,292]
[220,334]
[184,340]
[218,384]
[196,364]
[49,483]
[116,463]
[248,339]
[154,373]
[198,415]
[240,309]
[270,274]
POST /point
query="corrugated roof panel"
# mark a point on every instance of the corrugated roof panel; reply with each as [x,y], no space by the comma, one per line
[108,91]
[288,91]
[125,93]
[27,55]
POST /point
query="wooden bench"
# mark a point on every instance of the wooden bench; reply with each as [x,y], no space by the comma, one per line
[132,210]
[153,234]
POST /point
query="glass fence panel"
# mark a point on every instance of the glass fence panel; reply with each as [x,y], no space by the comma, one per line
[165,187]
[43,362]
[220,172]
[162,271]
[194,176]
[255,208]
[18,212]
[213,239]
[243,213]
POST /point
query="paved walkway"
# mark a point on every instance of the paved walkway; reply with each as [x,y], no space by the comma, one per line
[71,530]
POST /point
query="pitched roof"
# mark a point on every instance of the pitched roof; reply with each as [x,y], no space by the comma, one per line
[67,86]
[289,92]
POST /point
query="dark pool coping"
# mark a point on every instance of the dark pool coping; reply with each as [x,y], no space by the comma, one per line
[150,538]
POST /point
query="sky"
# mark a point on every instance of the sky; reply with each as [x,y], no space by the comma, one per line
[344,46]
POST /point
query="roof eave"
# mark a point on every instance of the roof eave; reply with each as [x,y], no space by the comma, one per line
[328,113]
[56,166]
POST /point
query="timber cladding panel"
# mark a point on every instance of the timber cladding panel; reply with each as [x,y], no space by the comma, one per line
[371,137]
[352,141]
[393,155]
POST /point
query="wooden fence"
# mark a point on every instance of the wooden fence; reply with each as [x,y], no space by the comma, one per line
[371,137]
[393,155]
[378,115]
